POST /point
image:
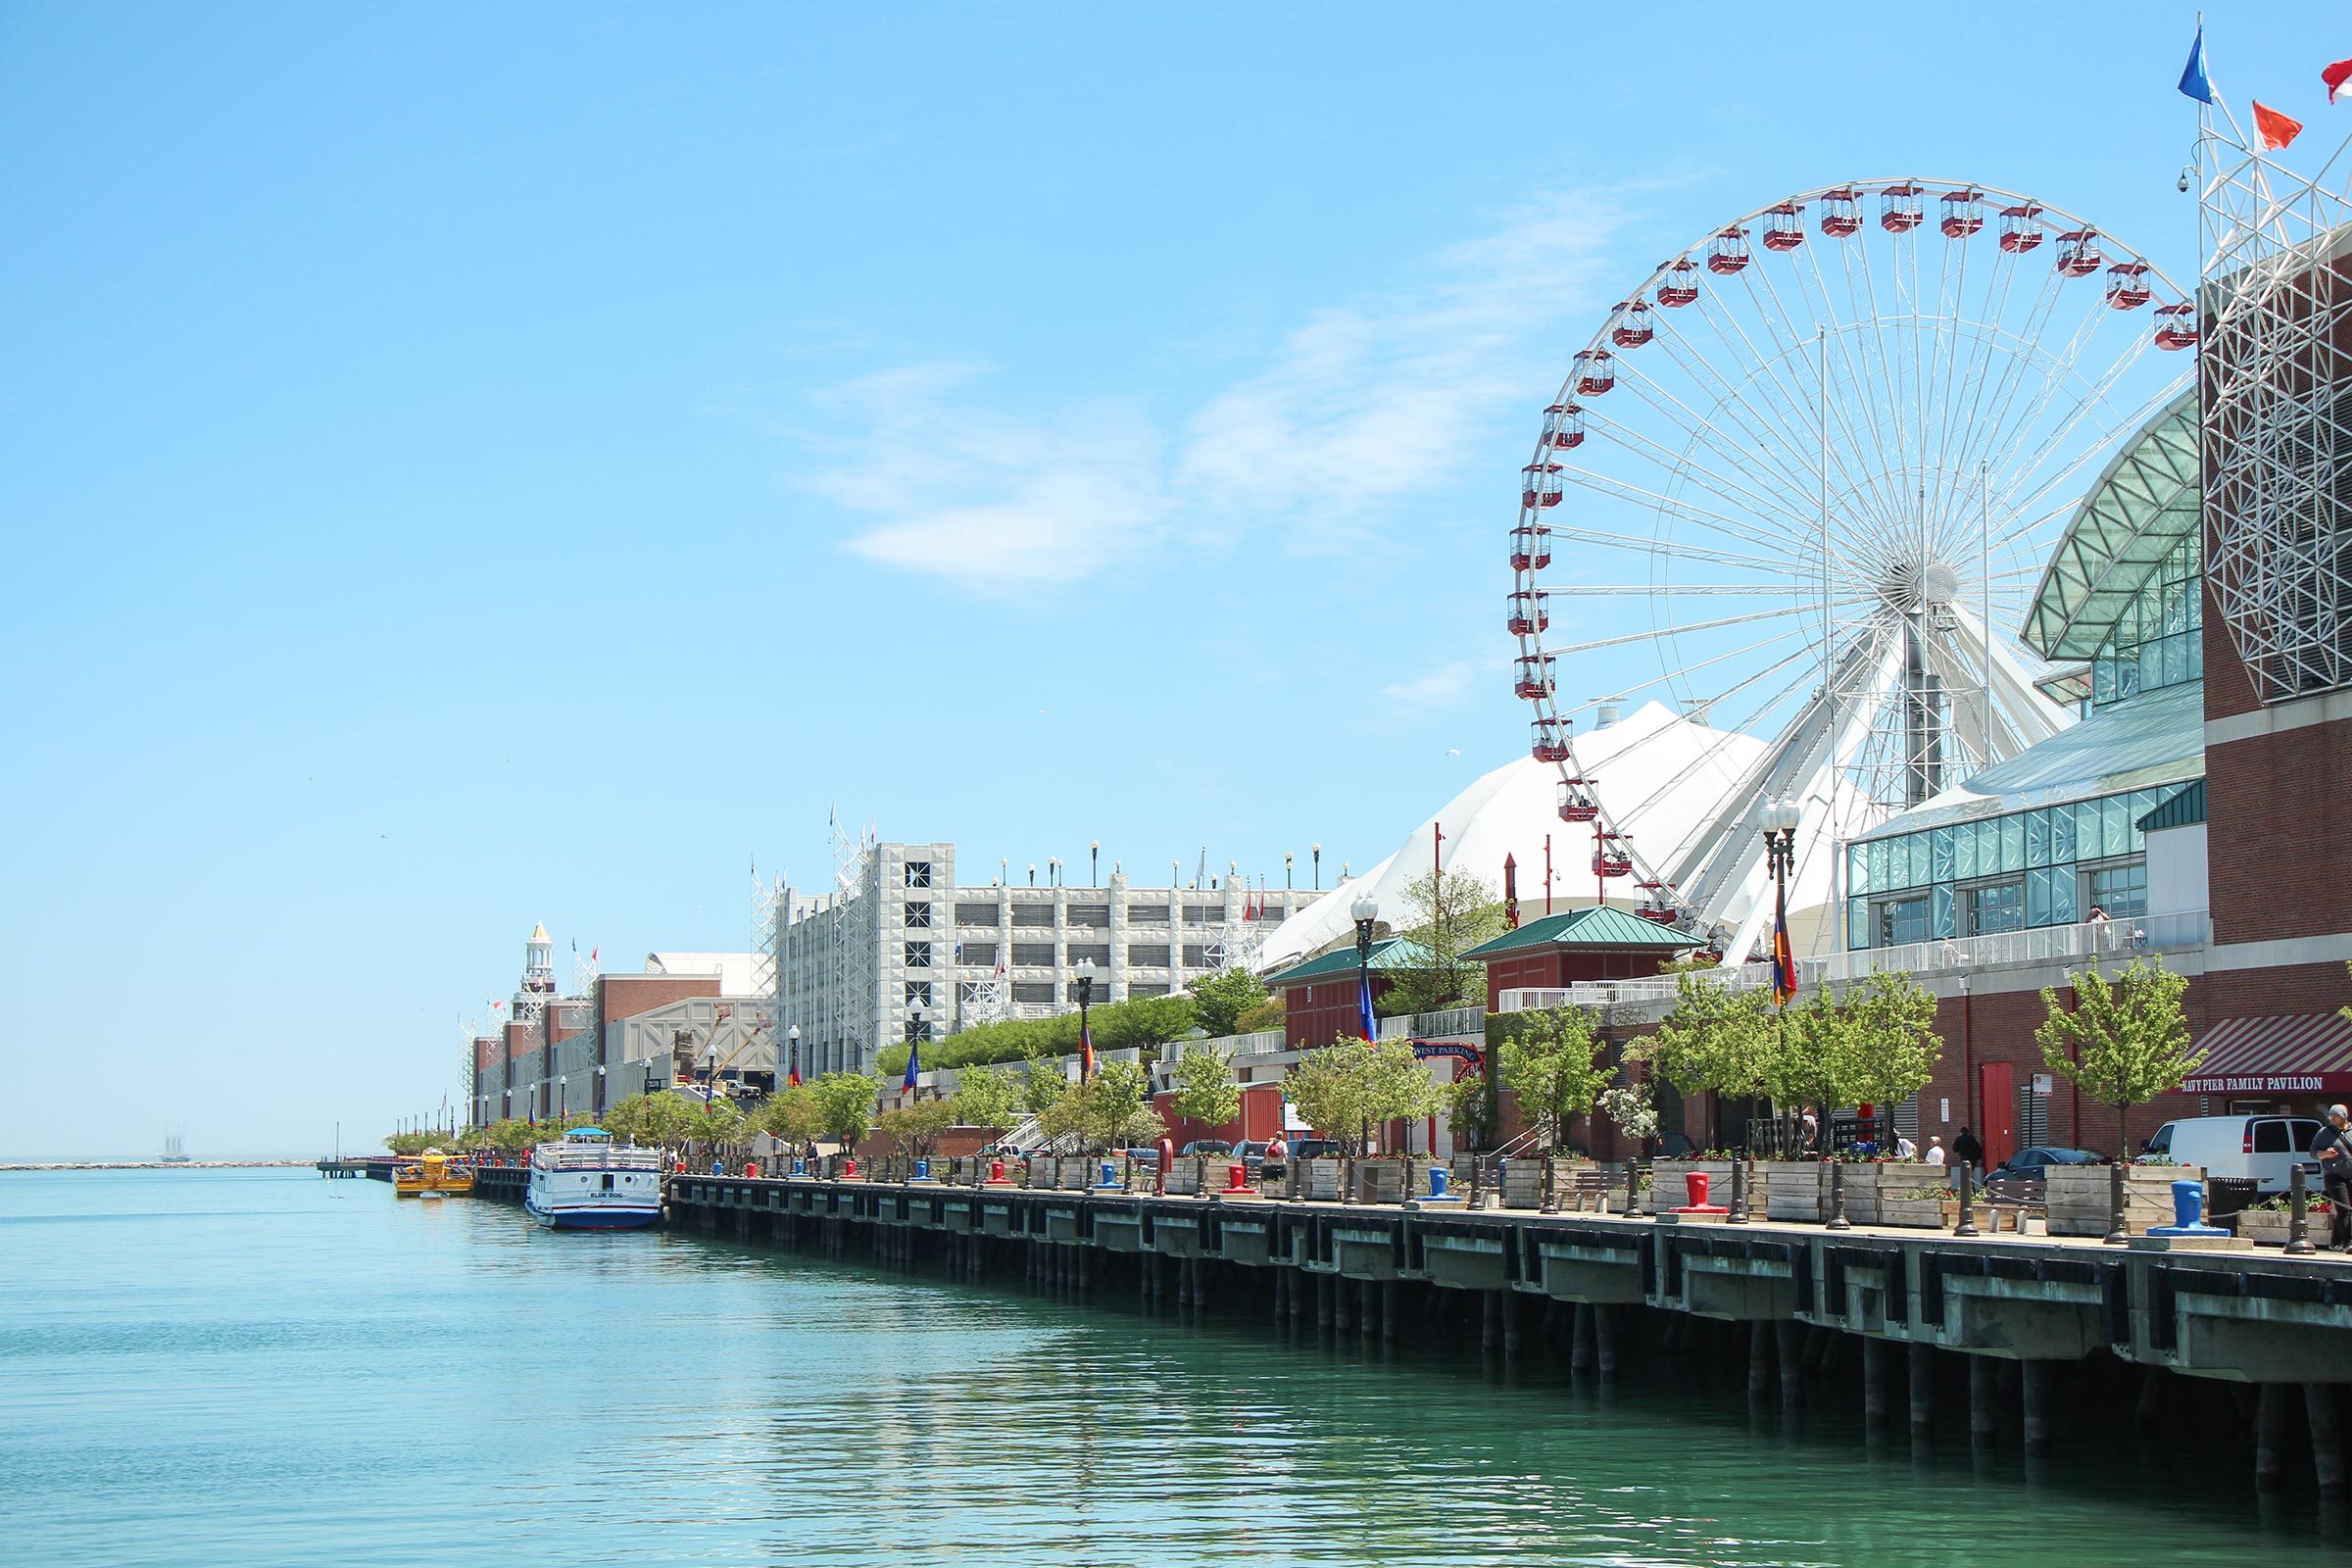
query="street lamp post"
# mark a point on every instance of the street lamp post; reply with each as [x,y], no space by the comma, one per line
[1365,911]
[563,1098]
[1778,816]
[1957,958]
[792,1065]
[1085,974]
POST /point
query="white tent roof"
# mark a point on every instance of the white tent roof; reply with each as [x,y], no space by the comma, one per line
[734,970]
[1659,775]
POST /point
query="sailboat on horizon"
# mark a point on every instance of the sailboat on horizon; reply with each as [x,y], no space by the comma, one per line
[176,1149]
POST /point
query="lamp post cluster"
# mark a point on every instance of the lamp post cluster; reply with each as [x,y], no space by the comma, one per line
[1366,910]
[1777,817]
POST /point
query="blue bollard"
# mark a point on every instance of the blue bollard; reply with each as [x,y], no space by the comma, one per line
[800,1167]
[2188,1213]
[1438,1180]
[922,1170]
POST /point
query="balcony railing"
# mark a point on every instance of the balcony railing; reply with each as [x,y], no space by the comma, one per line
[2117,938]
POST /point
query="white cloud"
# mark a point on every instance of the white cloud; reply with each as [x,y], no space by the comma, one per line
[1436,688]
[1360,408]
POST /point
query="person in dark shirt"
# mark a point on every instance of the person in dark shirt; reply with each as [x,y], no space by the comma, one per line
[2333,1147]
[1969,1152]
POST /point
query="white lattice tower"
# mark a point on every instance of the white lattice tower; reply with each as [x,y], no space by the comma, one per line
[850,987]
[2275,415]
[528,1005]
[583,974]
[468,1029]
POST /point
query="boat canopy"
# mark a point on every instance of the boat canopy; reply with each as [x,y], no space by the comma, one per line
[587,1135]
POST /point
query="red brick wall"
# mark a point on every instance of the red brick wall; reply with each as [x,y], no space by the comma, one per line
[626,995]
[1317,1012]
[2281,807]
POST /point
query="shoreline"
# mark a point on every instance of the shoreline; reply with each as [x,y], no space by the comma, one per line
[17,1165]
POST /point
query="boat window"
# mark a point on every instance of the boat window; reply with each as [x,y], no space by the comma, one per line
[607,1180]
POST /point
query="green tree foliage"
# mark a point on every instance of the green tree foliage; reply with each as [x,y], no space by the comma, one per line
[844,1104]
[1892,1044]
[2125,1042]
[1470,1110]
[1205,1090]
[1107,1109]
[1350,1086]
[1633,1107]
[917,1129]
[1267,1014]
[1118,1025]
[987,1097]
[1042,1083]
[1552,1062]
[1444,916]
[1220,1000]
[513,1136]
[1813,1062]
[1715,1037]
[716,1123]
[790,1117]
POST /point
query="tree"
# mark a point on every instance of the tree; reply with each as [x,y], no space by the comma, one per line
[1102,1111]
[917,1129]
[2125,1042]
[1205,1090]
[1043,1084]
[1813,1060]
[1716,1038]
[790,1117]
[1470,1110]
[1141,1021]
[1445,914]
[1269,1014]
[844,1105]
[1633,1107]
[717,1125]
[1554,1065]
[1350,1086]
[1219,999]
[1891,1041]
[512,1137]
[987,1097]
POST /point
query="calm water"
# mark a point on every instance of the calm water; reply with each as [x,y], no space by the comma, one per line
[244,1368]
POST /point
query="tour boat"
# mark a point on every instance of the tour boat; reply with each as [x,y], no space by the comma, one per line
[432,1176]
[587,1182]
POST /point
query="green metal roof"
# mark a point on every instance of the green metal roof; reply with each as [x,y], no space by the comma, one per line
[1388,953]
[1601,925]
[2129,521]
[2184,808]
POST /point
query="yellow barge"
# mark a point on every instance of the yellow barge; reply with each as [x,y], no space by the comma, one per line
[433,1175]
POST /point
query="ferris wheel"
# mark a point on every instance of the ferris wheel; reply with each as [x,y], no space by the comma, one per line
[1816,463]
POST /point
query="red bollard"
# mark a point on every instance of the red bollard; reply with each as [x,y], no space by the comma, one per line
[849,1168]
[1695,1184]
[996,1173]
[1237,1178]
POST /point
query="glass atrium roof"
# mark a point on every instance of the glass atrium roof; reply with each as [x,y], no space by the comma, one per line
[2142,506]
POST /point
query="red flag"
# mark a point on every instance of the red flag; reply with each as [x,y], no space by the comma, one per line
[2338,79]
[2272,129]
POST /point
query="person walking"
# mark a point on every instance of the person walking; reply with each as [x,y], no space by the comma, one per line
[1969,1152]
[1936,1151]
[2333,1147]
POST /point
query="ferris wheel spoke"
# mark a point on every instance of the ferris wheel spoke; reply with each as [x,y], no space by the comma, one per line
[1787,415]
[1570,534]
[1869,312]
[1879,481]
[1623,638]
[1764,499]
[1813,415]
[2097,398]
[1758,505]
[2009,420]
[1672,507]
[1730,396]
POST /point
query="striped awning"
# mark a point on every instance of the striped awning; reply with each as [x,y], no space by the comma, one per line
[2290,1053]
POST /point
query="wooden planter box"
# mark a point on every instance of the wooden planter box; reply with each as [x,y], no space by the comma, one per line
[2270,1227]
[2076,1197]
[1795,1189]
[1379,1181]
[1322,1180]
[1895,1193]
[1523,1184]
[1669,1191]
[1184,1178]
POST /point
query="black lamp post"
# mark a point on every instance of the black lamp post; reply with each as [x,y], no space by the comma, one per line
[1777,815]
[1085,972]
[792,1037]
[1366,910]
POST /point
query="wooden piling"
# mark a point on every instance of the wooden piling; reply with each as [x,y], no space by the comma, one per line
[1923,1390]
[2038,1379]
[1983,1407]
[1759,1362]
[2323,1411]
[2271,1425]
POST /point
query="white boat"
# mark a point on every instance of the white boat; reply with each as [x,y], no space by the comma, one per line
[587,1182]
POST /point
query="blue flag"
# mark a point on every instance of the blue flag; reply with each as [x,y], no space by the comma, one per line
[1363,996]
[2194,83]
[914,1065]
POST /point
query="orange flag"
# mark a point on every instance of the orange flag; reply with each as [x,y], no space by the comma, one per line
[2272,129]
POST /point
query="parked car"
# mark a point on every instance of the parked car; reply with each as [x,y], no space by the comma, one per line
[1252,1152]
[1211,1147]
[2264,1148]
[1314,1148]
[2031,1164]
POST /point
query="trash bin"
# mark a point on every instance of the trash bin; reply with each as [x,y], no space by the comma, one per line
[2227,1195]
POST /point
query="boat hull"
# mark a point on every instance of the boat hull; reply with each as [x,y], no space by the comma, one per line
[597,1217]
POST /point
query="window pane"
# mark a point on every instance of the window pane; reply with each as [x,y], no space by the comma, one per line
[1941,858]
[2037,896]
[2062,835]
[2038,838]
[2013,843]
[918,954]
[1939,904]
[2116,810]
[1964,851]
[1857,868]
[2062,898]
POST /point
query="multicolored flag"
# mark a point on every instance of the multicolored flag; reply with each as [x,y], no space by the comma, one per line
[792,1078]
[2338,79]
[914,1065]
[2195,82]
[2274,130]
[1086,1050]
[1783,956]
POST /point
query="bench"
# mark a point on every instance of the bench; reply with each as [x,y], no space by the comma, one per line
[1591,1189]
[2020,1200]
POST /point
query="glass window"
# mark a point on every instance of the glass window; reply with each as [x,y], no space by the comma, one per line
[918,916]
[2062,835]
[1902,920]
[2038,838]
[1996,907]
[919,873]
[918,954]
[1964,851]
[1939,905]
[2013,844]
[1857,922]
[2270,1138]
[2116,814]
[918,992]
[1940,856]
[2062,898]
[1857,868]
[2038,895]
[2120,889]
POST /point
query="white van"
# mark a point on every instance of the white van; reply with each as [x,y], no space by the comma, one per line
[2265,1148]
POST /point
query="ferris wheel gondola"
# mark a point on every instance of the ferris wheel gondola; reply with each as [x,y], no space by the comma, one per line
[1820,485]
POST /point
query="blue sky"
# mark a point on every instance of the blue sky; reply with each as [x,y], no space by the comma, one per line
[465,466]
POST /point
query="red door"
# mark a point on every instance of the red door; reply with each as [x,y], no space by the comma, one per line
[1996,1103]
